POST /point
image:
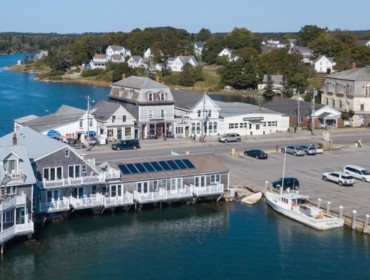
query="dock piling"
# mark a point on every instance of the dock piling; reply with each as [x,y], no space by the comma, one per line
[328,207]
[366,224]
[318,202]
[354,214]
[341,212]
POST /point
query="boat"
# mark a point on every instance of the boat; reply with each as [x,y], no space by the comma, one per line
[253,198]
[296,206]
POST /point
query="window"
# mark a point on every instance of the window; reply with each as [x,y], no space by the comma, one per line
[362,107]
[150,96]
[162,96]
[90,122]
[155,186]
[209,113]
[128,132]
[142,187]
[179,130]
[93,190]
[10,165]
[113,190]
[163,113]
[66,153]
[198,128]
[124,118]
[81,123]
[200,181]
[215,178]
[199,113]
[74,171]
[84,169]
[113,119]
[164,184]
[150,114]
[52,173]
[176,183]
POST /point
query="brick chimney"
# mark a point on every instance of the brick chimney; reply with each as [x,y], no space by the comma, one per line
[14,139]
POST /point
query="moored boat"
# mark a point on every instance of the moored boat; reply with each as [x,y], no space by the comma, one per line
[253,198]
[295,206]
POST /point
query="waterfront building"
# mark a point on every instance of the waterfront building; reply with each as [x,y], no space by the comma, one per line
[16,191]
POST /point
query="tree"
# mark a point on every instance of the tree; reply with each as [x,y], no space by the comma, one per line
[269,92]
[309,33]
[240,75]
[203,35]
[240,38]
[212,48]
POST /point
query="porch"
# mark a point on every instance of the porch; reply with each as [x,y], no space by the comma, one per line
[67,182]
[86,202]
[216,189]
[163,195]
[54,205]
[17,229]
[12,202]
[126,199]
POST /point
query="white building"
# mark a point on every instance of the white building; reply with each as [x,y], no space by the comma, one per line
[324,64]
[177,64]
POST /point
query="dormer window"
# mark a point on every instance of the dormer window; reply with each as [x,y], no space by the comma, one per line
[10,165]
[162,96]
[150,96]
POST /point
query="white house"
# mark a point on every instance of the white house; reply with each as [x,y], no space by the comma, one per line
[247,119]
[177,64]
[148,53]
[149,102]
[228,54]
[117,58]
[114,49]
[305,52]
[195,114]
[137,61]
[198,47]
[349,90]
[324,64]
[277,84]
[99,61]
[114,121]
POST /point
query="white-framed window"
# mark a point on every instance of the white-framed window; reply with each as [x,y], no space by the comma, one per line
[176,183]
[200,181]
[215,179]
[90,122]
[198,127]
[150,96]
[163,113]
[53,195]
[162,96]
[142,187]
[124,118]
[199,113]
[155,186]
[66,153]
[128,132]
[52,173]
[10,165]
[164,184]
[84,169]
[179,130]
[81,123]
[74,171]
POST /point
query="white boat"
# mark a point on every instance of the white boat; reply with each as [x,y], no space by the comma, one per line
[253,198]
[295,206]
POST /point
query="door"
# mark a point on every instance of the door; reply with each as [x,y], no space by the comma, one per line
[20,215]
[119,133]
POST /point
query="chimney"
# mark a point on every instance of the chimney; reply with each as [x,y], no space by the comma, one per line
[123,76]
[157,79]
[14,139]
[353,64]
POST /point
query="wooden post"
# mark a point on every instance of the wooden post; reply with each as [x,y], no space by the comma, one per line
[341,212]
[366,224]
[318,203]
[354,214]
[328,207]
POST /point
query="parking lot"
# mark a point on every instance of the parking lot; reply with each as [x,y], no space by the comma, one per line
[247,171]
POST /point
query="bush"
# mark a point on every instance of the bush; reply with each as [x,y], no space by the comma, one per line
[91,72]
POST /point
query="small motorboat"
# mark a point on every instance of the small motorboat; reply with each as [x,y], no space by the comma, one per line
[253,198]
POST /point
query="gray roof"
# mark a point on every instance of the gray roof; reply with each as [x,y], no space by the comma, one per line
[36,144]
[26,118]
[104,110]
[139,83]
[276,79]
[133,109]
[321,56]
[115,47]
[355,74]
[229,109]
[185,99]
[64,115]
[24,162]
[289,106]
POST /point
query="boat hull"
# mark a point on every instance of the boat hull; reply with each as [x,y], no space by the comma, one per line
[324,221]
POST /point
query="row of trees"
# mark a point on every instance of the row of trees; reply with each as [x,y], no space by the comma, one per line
[66,51]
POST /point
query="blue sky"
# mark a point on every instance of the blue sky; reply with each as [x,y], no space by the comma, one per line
[79,16]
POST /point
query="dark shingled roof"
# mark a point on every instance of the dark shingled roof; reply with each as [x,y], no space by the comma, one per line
[289,107]
[104,110]
[355,74]
[185,99]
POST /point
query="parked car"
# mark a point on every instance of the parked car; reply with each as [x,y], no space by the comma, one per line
[256,154]
[357,172]
[229,137]
[339,177]
[294,150]
[309,149]
[287,182]
[126,144]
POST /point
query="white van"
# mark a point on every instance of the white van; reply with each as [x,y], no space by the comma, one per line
[357,172]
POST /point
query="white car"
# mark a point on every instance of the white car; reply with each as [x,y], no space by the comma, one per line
[339,177]
[357,172]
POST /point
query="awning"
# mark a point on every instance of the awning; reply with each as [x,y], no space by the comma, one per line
[91,133]
[53,133]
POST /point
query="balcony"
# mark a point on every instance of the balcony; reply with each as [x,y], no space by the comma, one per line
[54,206]
[216,189]
[163,195]
[69,182]
[126,199]
[13,201]
[86,202]
[17,230]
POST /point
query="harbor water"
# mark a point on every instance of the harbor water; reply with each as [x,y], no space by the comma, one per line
[205,241]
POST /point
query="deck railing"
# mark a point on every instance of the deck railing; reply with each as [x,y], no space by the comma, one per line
[86,202]
[208,190]
[11,202]
[67,182]
[126,199]
[16,230]
[163,195]
[55,206]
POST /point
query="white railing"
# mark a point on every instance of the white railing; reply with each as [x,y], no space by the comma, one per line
[126,199]
[112,175]
[163,195]
[87,202]
[208,190]
[13,201]
[15,230]
[55,206]
[72,181]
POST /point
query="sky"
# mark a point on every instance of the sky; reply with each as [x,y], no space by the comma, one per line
[80,16]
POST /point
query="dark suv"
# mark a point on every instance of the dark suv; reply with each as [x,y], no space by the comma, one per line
[126,145]
[289,182]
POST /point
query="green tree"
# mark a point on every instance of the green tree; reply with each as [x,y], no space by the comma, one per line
[268,92]
[212,48]
[241,37]
[240,74]
[203,35]
[309,33]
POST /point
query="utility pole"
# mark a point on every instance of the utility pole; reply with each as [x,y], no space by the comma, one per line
[204,117]
[298,111]
[314,92]
[88,121]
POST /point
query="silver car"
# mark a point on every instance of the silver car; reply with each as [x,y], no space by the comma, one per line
[309,149]
[293,150]
[229,137]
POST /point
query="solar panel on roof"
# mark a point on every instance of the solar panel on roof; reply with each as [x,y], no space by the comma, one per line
[148,166]
[124,169]
[180,163]
[132,168]
[156,166]
[140,167]
[165,165]
[173,165]
[188,163]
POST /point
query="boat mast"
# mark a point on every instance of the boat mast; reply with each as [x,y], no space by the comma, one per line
[282,183]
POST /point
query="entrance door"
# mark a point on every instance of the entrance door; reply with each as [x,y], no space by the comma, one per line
[119,133]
